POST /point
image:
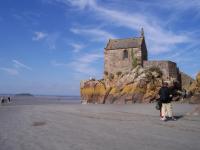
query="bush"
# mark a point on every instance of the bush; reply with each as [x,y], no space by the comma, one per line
[105,73]
[156,69]
[111,76]
[118,73]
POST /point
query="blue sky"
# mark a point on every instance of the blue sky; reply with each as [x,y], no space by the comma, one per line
[48,46]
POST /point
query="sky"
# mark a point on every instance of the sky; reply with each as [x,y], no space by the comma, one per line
[48,46]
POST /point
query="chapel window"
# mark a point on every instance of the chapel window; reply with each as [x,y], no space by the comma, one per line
[125,54]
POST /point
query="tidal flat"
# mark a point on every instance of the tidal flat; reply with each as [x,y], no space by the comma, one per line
[28,124]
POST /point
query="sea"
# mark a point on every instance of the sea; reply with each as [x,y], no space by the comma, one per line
[24,99]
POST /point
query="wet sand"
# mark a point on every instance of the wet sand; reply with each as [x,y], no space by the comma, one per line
[67,126]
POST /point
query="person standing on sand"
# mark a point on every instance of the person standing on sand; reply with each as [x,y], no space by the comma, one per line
[9,99]
[166,98]
[1,100]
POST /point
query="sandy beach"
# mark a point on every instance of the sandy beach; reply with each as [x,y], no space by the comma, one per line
[72,126]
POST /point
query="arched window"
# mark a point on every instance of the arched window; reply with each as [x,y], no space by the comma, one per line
[125,54]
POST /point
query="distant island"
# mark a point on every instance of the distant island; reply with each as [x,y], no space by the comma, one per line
[24,94]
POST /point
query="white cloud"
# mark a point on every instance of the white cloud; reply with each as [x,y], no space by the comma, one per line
[39,36]
[83,64]
[52,39]
[27,18]
[161,21]
[77,47]
[80,3]
[159,39]
[49,39]
[15,70]
[89,58]
[18,64]
[184,4]
[94,33]
[10,71]
[58,64]
[172,5]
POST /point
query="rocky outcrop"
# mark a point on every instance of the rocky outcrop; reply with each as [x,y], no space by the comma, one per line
[93,91]
[186,81]
[139,85]
[195,86]
[194,89]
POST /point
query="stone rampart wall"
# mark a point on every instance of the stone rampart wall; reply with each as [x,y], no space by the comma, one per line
[168,68]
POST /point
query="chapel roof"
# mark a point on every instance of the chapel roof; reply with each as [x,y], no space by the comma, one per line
[124,43]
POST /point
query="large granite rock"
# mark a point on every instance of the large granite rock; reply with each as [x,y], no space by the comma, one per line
[93,91]
[195,90]
[137,86]
[186,81]
[195,86]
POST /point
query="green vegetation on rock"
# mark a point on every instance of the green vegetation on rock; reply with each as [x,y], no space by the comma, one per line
[111,76]
[105,73]
[134,60]
[119,73]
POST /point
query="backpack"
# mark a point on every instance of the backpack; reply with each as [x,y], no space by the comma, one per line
[158,105]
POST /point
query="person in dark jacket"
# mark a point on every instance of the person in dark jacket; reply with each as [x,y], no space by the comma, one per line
[166,98]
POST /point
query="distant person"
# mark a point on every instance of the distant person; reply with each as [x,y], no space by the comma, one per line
[184,94]
[166,98]
[1,100]
[9,99]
